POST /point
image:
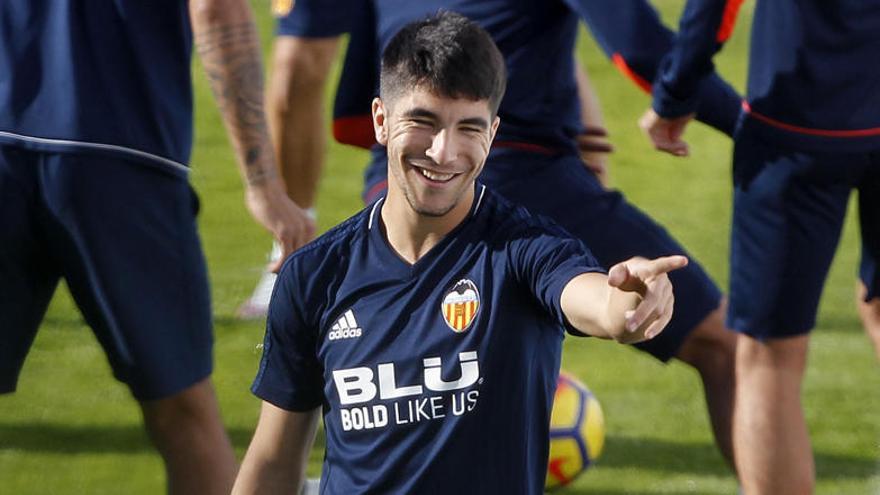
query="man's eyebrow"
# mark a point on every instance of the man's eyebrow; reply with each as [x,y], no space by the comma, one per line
[475,121]
[420,112]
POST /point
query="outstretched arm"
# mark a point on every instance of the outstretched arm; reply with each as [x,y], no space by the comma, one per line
[277,456]
[631,304]
[228,44]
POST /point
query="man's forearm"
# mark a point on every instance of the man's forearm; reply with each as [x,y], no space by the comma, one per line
[228,44]
[259,476]
[704,26]
[276,459]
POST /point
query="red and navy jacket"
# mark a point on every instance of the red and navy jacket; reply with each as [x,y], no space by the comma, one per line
[541,109]
[814,75]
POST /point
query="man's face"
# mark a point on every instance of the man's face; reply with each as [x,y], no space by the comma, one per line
[436,148]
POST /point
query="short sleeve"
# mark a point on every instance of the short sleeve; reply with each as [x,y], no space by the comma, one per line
[290,375]
[545,258]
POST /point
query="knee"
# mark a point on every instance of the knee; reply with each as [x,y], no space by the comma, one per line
[869,310]
[711,347]
[783,355]
[192,408]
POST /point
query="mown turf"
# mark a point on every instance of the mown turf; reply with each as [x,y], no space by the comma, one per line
[72,429]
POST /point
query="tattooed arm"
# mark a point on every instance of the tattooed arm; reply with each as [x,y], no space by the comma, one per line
[229,46]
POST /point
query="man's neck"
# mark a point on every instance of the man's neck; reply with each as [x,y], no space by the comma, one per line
[411,234]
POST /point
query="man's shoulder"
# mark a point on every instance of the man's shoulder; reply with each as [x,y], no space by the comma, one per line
[510,219]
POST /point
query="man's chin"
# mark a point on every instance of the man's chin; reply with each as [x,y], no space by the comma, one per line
[432,210]
[433,205]
[435,212]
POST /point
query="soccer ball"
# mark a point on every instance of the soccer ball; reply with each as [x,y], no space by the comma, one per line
[577,431]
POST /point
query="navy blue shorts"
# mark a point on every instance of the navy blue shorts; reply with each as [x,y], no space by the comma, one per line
[561,188]
[789,208]
[123,236]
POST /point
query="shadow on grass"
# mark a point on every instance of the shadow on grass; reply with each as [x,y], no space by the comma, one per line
[620,452]
[663,455]
[55,438]
[704,458]
[606,491]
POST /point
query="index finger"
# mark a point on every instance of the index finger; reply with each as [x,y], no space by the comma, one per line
[666,264]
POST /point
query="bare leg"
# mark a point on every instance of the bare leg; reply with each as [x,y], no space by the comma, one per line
[295,110]
[869,312]
[711,350]
[187,430]
[770,434]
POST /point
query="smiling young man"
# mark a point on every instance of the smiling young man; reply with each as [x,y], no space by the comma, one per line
[428,327]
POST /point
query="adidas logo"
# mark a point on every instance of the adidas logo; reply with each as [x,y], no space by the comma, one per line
[346,327]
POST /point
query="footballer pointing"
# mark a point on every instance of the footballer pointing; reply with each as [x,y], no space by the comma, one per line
[427,329]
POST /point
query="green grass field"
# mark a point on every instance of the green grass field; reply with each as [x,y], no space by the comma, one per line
[72,429]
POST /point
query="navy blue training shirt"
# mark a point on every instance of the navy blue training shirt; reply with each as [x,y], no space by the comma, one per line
[110,76]
[436,377]
[814,69]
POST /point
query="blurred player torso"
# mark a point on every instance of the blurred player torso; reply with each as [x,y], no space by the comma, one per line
[109,76]
[816,63]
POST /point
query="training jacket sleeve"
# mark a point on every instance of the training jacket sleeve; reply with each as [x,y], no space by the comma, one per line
[632,35]
[704,27]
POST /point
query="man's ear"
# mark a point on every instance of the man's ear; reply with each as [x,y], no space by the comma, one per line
[494,128]
[379,120]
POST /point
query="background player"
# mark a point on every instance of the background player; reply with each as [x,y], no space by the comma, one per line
[810,134]
[439,271]
[94,138]
[535,160]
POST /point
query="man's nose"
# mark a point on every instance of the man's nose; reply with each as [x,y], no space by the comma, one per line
[443,148]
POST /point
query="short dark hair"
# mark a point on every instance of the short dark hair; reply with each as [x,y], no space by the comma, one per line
[447,54]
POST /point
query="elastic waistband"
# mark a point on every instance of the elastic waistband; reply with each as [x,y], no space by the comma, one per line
[808,138]
[53,145]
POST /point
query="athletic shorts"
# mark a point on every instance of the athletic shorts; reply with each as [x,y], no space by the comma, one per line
[788,212]
[561,188]
[123,236]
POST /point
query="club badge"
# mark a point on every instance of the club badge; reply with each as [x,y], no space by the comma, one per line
[461,305]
